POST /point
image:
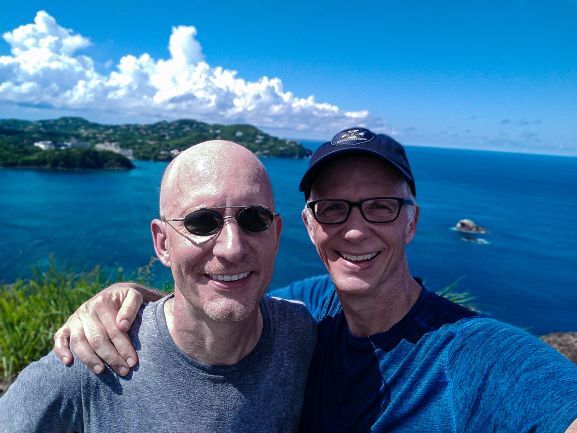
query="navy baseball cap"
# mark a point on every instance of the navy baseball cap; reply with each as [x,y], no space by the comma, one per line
[359,141]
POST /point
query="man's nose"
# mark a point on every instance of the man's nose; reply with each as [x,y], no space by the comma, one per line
[356,227]
[230,242]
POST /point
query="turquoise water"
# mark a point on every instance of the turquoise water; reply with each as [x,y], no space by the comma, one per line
[523,273]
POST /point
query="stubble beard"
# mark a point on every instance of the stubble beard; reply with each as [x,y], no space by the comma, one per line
[227,309]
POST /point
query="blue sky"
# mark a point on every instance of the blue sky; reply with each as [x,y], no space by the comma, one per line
[473,74]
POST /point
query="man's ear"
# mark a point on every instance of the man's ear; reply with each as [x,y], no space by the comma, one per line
[160,242]
[412,225]
[308,220]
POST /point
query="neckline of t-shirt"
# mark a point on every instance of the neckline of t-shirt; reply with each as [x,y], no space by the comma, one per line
[216,370]
[369,343]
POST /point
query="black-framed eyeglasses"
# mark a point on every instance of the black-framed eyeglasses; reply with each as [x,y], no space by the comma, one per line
[373,209]
[208,221]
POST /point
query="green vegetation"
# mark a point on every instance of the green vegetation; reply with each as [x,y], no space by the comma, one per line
[32,310]
[65,159]
[452,293]
[148,142]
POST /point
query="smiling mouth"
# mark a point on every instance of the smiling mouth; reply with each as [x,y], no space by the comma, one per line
[227,278]
[360,258]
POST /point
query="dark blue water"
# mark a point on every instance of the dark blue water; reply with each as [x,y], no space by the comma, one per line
[524,274]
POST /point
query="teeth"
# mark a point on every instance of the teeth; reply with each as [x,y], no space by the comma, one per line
[352,258]
[230,277]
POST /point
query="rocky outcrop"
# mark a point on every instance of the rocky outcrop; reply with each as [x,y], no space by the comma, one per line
[564,342]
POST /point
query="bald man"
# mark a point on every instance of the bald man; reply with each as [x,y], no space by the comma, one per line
[213,356]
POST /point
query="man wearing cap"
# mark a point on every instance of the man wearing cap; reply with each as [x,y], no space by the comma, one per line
[213,353]
[391,356]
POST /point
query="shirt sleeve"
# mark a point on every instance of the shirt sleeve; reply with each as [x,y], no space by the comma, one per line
[311,291]
[504,379]
[46,397]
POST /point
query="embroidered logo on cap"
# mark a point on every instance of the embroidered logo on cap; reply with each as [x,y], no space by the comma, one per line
[352,137]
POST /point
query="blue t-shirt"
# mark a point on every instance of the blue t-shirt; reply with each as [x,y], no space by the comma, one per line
[442,368]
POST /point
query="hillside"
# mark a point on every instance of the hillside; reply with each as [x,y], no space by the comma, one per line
[147,141]
[65,159]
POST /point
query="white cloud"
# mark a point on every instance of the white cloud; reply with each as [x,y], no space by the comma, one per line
[45,70]
[45,35]
[183,46]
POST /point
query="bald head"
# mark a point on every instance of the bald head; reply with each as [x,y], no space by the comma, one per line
[208,167]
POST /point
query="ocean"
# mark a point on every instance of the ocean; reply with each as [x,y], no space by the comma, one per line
[521,271]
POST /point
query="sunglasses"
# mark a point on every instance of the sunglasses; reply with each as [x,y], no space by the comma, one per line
[206,222]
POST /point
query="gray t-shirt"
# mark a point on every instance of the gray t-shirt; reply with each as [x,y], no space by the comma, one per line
[169,391]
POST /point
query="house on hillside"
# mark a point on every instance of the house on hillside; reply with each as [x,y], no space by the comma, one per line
[114,147]
[44,145]
[49,145]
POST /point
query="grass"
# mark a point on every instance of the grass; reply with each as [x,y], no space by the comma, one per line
[32,310]
[454,294]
